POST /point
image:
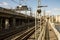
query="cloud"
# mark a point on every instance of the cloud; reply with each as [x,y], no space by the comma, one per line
[48,11]
[3,3]
[56,9]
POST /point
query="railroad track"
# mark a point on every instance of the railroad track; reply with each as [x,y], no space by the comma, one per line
[6,35]
[13,32]
[24,35]
[27,34]
[18,36]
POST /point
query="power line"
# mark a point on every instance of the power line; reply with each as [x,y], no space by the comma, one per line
[14,1]
[18,2]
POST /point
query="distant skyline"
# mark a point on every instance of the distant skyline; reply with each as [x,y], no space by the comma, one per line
[53,5]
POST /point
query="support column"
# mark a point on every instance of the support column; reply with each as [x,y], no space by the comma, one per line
[28,24]
[7,24]
[19,22]
[14,22]
[23,22]
[0,23]
[3,23]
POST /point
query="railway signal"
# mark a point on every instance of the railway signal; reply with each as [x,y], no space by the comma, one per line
[39,10]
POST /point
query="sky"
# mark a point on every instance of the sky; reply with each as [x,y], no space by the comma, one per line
[52,9]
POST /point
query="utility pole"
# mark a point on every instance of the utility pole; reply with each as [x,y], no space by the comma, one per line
[39,13]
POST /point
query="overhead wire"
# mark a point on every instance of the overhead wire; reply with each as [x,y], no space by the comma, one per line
[14,1]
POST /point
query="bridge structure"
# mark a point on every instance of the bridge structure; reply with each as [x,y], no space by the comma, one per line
[18,26]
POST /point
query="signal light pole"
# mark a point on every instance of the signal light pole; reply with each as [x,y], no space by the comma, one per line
[39,13]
